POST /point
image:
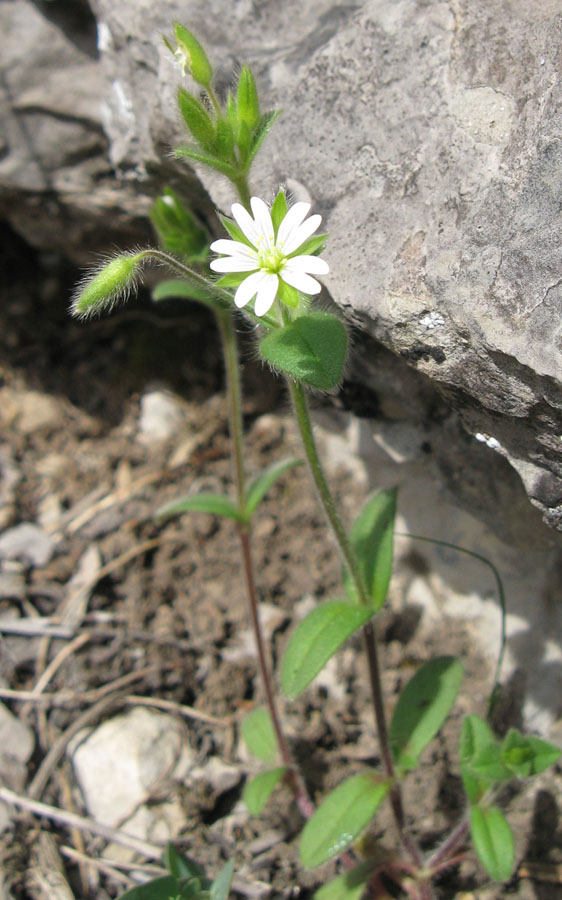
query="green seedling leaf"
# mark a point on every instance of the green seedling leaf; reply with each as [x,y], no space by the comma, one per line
[181,866]
[165,888]
[312,349]
[488,764]
[262,483]
[258,790]
[212,161]
[341,818]
[476,736]
[215,504]
[260,133]
[349,886]
[372,539]
[493,841]
[259,736]
[220,887]
[179,288]
[525,755]
[423,706]
[315,641]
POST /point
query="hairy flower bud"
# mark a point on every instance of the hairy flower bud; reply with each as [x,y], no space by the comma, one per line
[191,56]
[100,290]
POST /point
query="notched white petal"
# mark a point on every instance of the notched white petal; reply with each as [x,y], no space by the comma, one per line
[267,293]
[301,281]
[311,264]
[233,264]
[301,233]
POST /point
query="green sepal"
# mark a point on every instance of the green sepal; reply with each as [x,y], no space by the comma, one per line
[259,789]
[341,818]
[372,540]
[181,288]
[247,102]
[317,638]
[212,161]
[288,295]
[199,65]
[220,887]
[261,132]
[258,488]
[259,736]
[348,886]
[215,504]
[311,349]
[422,707]
[311,247]
[236,234]
[197,119]
[493,841]
[231,279]
[278,213]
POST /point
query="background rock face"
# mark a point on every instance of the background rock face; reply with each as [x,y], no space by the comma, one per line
[427,133]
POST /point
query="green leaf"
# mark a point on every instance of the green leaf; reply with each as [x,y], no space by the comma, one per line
[180,288]
[158,889]
[259,735]
[488,763]
[341,818]
[212,161]
[312,349]
[315,641]
[215,504]
[349,886]
[224,140]
[525,755]
[279,211]
[258,790]
[423,706]
[181,866]
[197,119]
[261,131]
[243,141]
[259,487]
[220,887]
[493,841]
[247,102]
[177,229]
[372,539]
[475,736]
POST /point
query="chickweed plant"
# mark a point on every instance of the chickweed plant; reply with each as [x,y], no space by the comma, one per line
[268,266]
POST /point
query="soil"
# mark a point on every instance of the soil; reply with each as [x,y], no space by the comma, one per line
[176,602]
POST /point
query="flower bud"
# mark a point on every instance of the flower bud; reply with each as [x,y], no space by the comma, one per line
[102,288]
[177,230]
[247,99]
[190,55]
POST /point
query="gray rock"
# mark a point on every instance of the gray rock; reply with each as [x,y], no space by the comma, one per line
[16,747]
[429,137]
[28,543]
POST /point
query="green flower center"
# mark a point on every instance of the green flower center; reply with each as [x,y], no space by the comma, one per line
[272,260]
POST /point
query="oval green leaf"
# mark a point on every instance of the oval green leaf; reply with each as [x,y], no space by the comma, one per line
[493,841]
[372,539]
[262,483]
[312,349]
[258,790]
[181,866]
[423,706]
[349,886]
[259,735]
[215,504]
[220,887]
[341,818]
[476,735]
[157,889]
[316,640]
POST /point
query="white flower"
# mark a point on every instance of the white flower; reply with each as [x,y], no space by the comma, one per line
[271,256]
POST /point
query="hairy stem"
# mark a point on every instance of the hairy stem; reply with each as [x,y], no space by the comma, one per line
[332,514]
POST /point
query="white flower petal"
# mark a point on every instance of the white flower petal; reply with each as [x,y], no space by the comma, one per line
[292,220]
[266,294]
[263,222]
[233,264]
[233,248]
[311,264]
[301,281]
[246,223]
[247,289]
[301,234]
